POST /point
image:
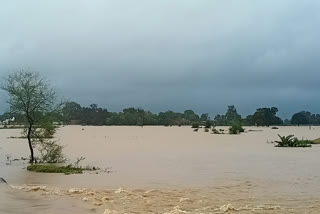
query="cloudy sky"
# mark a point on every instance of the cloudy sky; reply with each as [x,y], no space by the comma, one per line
[169,54]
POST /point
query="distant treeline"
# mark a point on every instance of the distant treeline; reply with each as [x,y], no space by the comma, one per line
[74,113]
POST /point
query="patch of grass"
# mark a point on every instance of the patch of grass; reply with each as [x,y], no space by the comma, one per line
[54,168]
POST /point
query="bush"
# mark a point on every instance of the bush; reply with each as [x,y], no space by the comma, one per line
[215,131]
[236,128]
[195,130]
[291,141]
[195,125]
[208,124]
[50,152]
[206,130]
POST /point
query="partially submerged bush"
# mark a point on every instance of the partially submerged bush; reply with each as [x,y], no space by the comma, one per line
[50,152]
[74,168]
[236,128]
[291,141]
[195,130]
[206,130]
[53,168]
[195,125]
[215,131]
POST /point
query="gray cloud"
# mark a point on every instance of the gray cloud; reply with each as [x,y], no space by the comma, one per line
[167,54]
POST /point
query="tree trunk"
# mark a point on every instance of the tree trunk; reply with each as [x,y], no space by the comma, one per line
[30,144]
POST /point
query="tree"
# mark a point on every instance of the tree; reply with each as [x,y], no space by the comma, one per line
[228,119]
[30,95]
[190,115]
[232,115]
[204,117]
[299,119]
[264,117]
[71,111]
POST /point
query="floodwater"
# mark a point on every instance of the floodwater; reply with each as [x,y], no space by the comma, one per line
[166,170]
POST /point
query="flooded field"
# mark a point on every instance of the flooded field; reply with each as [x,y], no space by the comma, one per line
[166,170]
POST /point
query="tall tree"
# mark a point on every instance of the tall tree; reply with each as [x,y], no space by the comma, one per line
[265,117]
[299,119]
[32,96]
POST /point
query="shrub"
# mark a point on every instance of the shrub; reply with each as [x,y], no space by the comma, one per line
[215,131]
[50,151]
[195,125]
[195,130]
[208,124]
[291,141]
[206,130]
[236,128]
[74,168]
[274,128]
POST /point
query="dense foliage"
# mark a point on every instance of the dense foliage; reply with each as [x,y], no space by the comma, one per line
[264,117]
[74,113]
[305,118]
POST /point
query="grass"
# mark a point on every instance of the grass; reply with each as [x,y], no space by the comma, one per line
[54,168]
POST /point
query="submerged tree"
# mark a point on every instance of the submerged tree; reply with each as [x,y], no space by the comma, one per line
[32,96]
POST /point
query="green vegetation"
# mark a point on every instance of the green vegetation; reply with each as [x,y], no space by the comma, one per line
[305,118]
[73,113]
[195,125]
[215,131]
[291,141]
[74,168]
[52,168]
[34,102]
[236,128]
[227,119]
[208,124]
[264,117]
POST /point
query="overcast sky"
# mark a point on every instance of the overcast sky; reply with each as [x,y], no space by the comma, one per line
[169,54]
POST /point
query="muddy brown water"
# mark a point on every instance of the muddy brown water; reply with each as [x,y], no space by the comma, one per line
[166,170]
